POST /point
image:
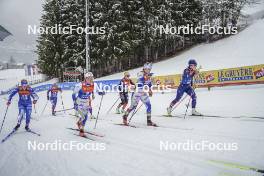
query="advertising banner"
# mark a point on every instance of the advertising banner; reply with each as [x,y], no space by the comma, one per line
[231,76]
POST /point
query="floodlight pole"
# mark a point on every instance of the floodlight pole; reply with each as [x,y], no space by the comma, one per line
[88,65]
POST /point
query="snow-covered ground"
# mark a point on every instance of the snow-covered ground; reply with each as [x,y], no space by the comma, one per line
[136,151]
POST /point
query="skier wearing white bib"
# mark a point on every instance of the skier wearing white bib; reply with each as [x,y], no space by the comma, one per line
[81,98]
[143,92]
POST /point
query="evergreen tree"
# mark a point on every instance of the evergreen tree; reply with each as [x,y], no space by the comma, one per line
[50,47]
[131,36]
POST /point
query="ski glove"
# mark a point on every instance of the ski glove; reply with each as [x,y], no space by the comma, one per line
[35,101]
[75,106]
[101,93]
[8,103]
[150,93]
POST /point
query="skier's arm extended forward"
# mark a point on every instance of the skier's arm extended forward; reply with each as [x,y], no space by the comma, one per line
[13,93]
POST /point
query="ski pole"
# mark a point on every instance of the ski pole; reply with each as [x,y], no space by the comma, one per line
[179,103]
[113,105]
[134,113]
[44,108]
[62,104]
[4,118]
[64,110]
[194,87]
[98,111]
[187,107]
[35,109]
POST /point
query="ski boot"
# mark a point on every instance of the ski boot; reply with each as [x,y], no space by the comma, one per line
[27,128]
[17,126]
[169,111]
[53,111]
[117,111]
[150,123]
[79,124]
[92,117]
[122,111]
[196,113]
[82,134]
[125,119]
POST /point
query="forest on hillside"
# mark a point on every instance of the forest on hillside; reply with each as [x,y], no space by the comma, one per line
[131,33]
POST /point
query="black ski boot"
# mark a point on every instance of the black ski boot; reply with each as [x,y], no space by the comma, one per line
[125,119]
[149,122]
[53,113]
[27,128]
[17,126]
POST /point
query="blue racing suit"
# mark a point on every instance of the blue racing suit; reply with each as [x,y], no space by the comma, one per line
[52,95]
[186,87]
[24,102]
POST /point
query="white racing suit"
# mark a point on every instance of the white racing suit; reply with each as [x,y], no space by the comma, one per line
[144,97]
[81,98]
[143,80]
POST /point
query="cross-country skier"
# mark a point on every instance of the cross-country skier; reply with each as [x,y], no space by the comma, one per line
[123,87]
[142,92]
[186,87]
[52,95]
[26,93]
[81,98]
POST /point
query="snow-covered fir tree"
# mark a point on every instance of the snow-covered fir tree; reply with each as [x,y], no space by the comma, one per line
[131,36]
[50,47]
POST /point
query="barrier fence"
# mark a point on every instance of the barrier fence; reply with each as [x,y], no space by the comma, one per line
[215,78]
[232,76]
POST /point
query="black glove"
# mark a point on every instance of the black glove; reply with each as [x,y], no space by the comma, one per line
[101,93]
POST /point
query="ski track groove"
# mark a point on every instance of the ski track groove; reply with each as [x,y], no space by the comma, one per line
[192,131]
[192,159]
